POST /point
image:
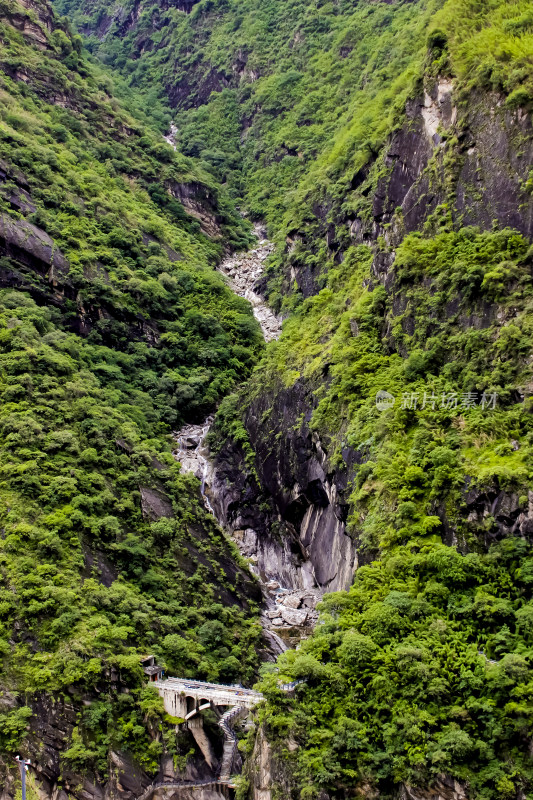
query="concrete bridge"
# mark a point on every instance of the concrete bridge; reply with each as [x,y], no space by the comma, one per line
[185,699]
[206,790]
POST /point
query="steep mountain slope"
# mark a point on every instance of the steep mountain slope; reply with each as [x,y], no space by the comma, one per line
[284,78]
[272,95]
[114,327]
[389,147]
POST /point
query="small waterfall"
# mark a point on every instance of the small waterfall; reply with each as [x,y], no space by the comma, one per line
[192,455]
[202,489]
[170,138]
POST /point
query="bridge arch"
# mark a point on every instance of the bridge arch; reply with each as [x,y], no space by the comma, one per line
[196,705]
[190,705]
[195,696]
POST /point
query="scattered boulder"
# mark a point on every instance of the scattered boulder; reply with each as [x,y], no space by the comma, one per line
[292,601]
[293,616]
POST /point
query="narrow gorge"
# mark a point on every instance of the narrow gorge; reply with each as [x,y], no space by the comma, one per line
[266,371]
[288,610]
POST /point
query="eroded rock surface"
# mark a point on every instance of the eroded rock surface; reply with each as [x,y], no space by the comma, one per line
[199,202]
[191,451]
[288,516]
[298,509]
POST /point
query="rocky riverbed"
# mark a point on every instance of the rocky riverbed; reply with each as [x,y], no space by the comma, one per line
[288,612]
[243,270]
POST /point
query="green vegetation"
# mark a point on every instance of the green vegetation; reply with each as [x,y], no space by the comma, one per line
[230,426]
[419,453]
[106,190]
[88,582]
[293,74]
[490,43]
[77,454]
[288,104]
[106,552]
[422,668]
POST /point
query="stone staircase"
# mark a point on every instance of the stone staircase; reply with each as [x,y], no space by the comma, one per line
[227,722]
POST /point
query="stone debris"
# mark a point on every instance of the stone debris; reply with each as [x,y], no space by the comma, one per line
[242,272]
[292,601]
[293,616]
[292,609]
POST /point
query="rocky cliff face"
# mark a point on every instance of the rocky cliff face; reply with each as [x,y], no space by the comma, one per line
[261,769]
[467,154]
[264,771]
[79,228]
[292,509]
[52,725]
[463,156]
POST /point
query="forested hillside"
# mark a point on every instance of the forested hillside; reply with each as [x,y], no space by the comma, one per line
[288,102]
[114,329]
[388,146]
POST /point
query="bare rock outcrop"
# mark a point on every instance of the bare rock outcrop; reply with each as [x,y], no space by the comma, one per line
[199,202]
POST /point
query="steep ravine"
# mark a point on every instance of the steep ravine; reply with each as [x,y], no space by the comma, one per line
[389,154]
[289,596]
[291,524]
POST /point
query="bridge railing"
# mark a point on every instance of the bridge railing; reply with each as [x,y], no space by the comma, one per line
[220,695]
[200,685]
[218,787]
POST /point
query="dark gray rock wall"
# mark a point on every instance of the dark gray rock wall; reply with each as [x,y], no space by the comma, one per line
[52,726]
[295,503]
[470,153]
